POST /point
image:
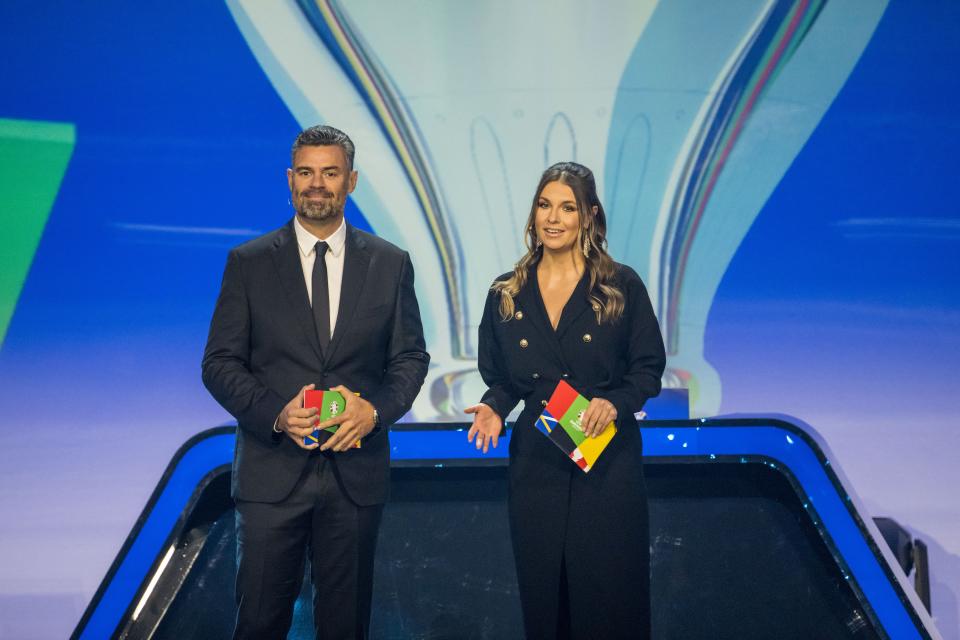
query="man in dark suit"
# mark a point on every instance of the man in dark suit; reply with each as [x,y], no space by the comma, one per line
[314,304]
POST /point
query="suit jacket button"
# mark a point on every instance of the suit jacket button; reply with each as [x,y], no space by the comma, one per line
[536,376]
[543,403]
[587,337]
[518,315]
[565,376]
[523,343]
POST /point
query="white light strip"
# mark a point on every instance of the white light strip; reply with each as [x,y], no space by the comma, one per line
[153,582]
[210,231]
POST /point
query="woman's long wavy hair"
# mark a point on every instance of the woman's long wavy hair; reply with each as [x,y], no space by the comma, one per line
[605,298]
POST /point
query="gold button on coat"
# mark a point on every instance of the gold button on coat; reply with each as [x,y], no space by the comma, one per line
[523,343]
[543,403]
[587,337]
[518,315]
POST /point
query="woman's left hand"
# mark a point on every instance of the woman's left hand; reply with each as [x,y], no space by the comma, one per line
[598,415]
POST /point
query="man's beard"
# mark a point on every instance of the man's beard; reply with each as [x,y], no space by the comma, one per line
[321,210]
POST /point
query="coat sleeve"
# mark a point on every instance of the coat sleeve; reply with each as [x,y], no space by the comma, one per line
[500,395]
[226,360]
[646,357]
[407,357]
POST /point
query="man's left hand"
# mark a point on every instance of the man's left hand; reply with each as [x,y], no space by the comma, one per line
[355,422]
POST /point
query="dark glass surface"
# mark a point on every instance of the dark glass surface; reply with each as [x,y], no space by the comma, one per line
[734,555]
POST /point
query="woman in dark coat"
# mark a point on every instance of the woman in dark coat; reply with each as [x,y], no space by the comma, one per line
[569,312]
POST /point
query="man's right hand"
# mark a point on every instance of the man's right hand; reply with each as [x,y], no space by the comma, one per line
[297,422]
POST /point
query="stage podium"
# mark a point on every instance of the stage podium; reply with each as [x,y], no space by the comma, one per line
[754,534]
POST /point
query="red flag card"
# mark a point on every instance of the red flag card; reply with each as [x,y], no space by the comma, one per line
[560,421]
[331,404]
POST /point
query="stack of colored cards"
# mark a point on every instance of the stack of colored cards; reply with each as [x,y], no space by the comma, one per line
[331,404]
[560,422]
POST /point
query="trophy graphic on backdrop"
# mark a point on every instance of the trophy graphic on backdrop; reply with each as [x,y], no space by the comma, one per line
[688,116]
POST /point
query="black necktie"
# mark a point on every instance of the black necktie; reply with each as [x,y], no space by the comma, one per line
[321,296]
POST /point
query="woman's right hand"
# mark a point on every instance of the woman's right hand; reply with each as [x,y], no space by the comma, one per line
[486,426]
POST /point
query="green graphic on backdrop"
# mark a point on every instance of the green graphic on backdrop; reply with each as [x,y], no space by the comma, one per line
[33,159]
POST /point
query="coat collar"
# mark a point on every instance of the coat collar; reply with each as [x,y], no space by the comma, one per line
[531,303]
[576,306]
[286,257]
[355,263]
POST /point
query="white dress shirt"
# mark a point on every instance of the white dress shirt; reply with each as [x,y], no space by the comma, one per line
[308,254]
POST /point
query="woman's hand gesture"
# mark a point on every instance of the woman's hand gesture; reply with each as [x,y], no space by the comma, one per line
[486,426]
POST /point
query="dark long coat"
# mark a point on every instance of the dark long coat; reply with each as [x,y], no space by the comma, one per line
[587,531]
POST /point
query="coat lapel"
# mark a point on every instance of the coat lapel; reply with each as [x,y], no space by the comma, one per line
[575,307]
[355,262]
[286,257]
[531,303]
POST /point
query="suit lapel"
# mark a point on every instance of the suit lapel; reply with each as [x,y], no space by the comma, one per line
[575,307]
[531,303]
[286,258]
[356,259]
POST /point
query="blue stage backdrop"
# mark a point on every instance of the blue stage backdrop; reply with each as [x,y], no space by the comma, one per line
[780,173]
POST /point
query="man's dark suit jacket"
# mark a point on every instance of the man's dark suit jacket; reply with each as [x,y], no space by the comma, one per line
[263,348]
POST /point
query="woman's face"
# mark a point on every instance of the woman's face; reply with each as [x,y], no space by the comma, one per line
[557,221]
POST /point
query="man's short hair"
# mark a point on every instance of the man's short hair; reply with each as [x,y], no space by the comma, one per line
[324,136]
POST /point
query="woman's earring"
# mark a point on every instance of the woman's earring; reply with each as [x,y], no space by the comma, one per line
[586,246]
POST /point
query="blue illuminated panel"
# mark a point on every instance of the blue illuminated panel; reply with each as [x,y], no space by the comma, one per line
[147,543]
[778,444]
